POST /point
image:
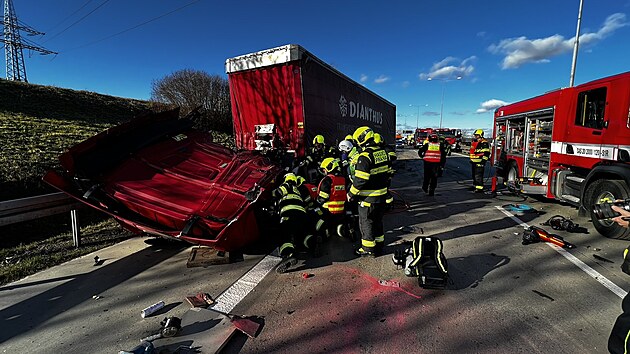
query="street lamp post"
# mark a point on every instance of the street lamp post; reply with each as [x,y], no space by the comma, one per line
[444,81]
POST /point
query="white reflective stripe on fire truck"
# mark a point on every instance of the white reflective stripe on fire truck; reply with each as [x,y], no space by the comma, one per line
[596,151]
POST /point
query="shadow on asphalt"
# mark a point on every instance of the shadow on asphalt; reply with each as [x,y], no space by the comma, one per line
[469,271]
[23,316]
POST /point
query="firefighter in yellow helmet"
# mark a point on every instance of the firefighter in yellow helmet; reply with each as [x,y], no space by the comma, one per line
[319,151]
[479,155]
[378,140]
[331,196]
[292,220]
[370,188]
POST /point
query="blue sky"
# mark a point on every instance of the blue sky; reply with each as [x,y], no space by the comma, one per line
[504,51]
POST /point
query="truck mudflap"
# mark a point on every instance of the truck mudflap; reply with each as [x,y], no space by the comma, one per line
[160,177]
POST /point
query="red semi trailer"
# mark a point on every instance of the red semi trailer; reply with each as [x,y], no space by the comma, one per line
[283,97]
[571,144]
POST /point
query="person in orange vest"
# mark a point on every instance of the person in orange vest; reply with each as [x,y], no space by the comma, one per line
[479,155]
[433,153]
[331,195]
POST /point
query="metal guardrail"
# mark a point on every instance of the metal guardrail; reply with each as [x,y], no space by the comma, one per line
[26,209]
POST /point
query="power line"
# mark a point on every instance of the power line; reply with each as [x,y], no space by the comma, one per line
[132,28]
[72,14]
[77,21]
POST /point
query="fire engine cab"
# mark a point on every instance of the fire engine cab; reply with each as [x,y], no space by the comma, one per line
[571,144]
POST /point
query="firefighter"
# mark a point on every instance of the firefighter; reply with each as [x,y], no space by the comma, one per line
[370,189]
[345,147]
[308,192]
[447,148]
[479,155]
[618,340]
[432,152]
[292,221]
[331,196]
[319,151]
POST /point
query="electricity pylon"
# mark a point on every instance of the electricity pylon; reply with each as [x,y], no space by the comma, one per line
[14,44]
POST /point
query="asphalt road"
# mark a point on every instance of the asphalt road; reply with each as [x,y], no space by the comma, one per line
[503,297]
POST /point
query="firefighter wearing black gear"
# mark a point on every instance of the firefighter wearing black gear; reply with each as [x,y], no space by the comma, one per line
[378,140]
[319,151]
[292,220]
[331,195]
[313,213]
[447,150]
[479,155]
[432,152]
[370,189]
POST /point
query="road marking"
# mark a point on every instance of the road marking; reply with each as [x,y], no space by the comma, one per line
[228,300]
[588,270]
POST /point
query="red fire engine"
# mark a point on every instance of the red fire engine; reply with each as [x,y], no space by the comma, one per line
[452,136]
[572,144]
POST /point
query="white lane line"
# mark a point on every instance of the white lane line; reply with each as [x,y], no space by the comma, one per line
[228,300]
[588,270]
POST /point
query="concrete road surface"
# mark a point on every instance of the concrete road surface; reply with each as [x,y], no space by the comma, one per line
[503,296]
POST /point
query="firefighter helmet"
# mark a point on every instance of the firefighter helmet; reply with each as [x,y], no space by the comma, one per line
[434,138]
[290,177]
[330,164]
[345,146]
[478,132]
[348,137]
[318,139]
[363,135]
[378,138]
[300,180]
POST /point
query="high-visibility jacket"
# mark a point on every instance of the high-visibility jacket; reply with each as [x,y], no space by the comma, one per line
[479,151]
[331,193]
[372,177]
[290,201]
[433,153]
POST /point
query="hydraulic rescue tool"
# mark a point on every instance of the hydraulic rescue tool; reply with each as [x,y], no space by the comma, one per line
[535,234]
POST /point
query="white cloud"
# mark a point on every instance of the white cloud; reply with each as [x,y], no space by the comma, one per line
[490,105]
[364,78]
[521,50]
[430,113]
[405,84]
[481,34]
[381,79]
[450,68]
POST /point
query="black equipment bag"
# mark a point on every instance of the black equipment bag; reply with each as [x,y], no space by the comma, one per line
[428,263]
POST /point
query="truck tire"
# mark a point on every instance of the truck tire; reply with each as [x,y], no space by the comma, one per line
[602,191]
[512,176]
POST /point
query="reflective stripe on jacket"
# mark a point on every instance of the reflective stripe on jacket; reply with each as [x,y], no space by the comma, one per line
[479,151]
[372,175]
[332,190]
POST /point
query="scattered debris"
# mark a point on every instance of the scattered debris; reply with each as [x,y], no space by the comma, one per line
[543,295]
[152,309]
[170,326]
[307,275]
[602,258]
[206,256]
[243,324]
[519,208]
[96,297]
[145,347]
[200,300]
[405,229]
[391,283]
[597,249]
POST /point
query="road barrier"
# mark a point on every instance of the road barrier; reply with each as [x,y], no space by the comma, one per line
[26,209]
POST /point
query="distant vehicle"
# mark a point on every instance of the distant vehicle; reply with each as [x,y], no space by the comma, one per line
[571,145]
[452,136]
[400,143]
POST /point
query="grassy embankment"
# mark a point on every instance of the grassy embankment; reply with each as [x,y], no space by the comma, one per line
[37,124]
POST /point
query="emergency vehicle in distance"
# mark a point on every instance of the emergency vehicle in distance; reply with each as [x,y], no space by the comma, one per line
[452,136]
[571,144]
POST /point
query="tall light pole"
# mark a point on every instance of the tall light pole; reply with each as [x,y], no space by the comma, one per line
[444,81]
[576,45]
[418,115]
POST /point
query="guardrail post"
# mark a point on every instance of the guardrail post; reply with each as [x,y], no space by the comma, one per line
[76,232]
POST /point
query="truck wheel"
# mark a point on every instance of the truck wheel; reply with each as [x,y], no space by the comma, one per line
[512,176]
[602,191]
